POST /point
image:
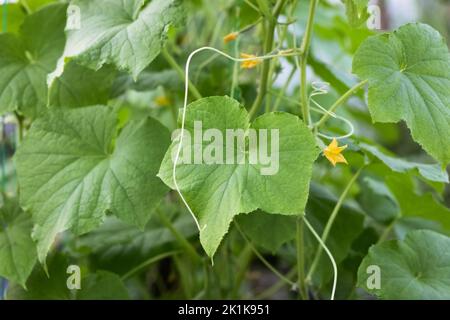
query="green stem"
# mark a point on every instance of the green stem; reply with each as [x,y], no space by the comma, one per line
[251,26]
[269,292]
[172,62]
[340,101]
[251,5]
[303,293]
[387,231]
[182,240]
[149,262]
[262,259]
[235,70]
[269,30]
[20,123]
[185,276]
[330,222]
[280,95]
[244,258]
[5,16]
[304,61]
[204,291]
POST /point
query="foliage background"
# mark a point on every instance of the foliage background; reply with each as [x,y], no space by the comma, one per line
[162,261]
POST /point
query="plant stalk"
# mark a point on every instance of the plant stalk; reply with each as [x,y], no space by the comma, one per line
[268,47]
[172,62]
[263,260]
[331,219]
[148,262]
[304,61]
[301,283]
[182,240]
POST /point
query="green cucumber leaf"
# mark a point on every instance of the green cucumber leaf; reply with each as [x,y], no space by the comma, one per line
[270,231]
[102,285]
[14,17]
[409,76]
[216,193]
[17,249]
[377,200]
[40,285]
[127,34]
[80,86]
[416,268]
[432,172]
[356,11]
[27,58]
[73,168]
[147,80]
[414,205]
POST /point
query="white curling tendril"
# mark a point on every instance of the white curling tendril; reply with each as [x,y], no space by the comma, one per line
[321,88]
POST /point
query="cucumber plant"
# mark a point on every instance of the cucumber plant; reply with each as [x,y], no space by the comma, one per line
[97,87]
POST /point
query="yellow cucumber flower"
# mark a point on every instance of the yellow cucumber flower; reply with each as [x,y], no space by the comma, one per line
[250,63]
[334,153]
[162,101]
[230,37]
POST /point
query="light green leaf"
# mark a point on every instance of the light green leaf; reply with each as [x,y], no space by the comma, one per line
[80,86]
[127,34]
[356,11]
[432,172]
[415,205]
[34,5]
[17,249]
[26,59]
[265,8]
[73,167]
[147,80]
[14,18]
[417,268]
[42,286]
[269,231]
[101,285]
[409,76]
[218,192]
[405,225]
[377,200]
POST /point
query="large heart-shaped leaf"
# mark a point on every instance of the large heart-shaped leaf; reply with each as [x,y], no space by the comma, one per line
[417,268]
[73,167]
[17,249]
[128,34]
[218,192]
[409,79]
